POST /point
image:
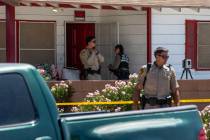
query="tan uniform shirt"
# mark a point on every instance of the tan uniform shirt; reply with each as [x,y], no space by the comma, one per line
[160,82]
[90,59]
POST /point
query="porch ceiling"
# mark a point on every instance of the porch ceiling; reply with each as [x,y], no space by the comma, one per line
[141,3]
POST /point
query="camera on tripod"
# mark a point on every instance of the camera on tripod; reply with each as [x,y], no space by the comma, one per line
[187,64]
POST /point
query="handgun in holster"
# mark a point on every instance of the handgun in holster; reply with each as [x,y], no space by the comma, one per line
[85,72]
[169,100]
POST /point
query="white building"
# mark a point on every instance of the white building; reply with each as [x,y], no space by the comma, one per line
[54,32]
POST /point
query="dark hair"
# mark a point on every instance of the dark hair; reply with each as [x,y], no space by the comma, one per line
[159,50]
[119,46]
[89,39]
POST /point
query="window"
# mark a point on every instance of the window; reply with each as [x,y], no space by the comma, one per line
[37,42]
[2,41]
[198,43]
[15,102]
[203,48]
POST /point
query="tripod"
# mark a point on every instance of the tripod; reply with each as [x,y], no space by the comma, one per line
[186,71]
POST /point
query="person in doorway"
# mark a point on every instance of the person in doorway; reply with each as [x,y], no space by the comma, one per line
[91,59]
[158,83]
[120,67]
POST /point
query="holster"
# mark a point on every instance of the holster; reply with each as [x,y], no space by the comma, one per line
[90,71]
[85,74]
[169,100]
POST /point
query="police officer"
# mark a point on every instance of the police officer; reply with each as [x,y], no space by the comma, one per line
[120,67]
[158,83]
[91,59]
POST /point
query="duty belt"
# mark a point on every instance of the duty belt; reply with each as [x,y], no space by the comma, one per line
[155,101]
[90,71]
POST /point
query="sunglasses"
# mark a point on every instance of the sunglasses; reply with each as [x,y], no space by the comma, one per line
[164,56]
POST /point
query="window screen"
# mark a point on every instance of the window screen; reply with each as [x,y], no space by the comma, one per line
[15,102]
[203,50]
[37,42]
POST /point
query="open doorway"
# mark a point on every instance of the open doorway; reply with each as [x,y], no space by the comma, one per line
[76,34]
[107,36]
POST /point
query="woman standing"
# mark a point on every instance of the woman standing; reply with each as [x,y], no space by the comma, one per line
[120,67]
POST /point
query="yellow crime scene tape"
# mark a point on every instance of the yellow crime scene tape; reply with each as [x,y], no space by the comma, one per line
[126,102]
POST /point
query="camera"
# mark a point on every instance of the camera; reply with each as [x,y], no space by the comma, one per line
[187,63]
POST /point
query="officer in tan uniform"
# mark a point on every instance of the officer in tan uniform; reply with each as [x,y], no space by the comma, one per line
[158,83]
[91,59]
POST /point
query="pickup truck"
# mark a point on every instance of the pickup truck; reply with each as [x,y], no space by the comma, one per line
[29,112]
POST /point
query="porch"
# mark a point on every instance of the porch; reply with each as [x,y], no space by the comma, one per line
[39,32]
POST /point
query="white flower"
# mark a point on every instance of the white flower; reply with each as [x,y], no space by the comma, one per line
[69,82]
[132,76]
[90,95]
[66,86]
[53,89]
[96,92]
[120,83]
[75,109]
[205,125]
[130,83]
[104,90]
[123,93]
[60,110]
[114,89]
[98,109]
[107,86]
[108,100]
[127,86]
[117,109]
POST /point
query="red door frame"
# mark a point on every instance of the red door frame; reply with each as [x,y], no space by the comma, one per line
[10,34]
[149,33]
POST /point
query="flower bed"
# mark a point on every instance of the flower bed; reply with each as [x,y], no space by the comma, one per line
[121,91]
[49,72]
[62,92]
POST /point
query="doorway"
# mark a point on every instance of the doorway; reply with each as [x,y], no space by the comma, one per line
[76,34]
[107,36]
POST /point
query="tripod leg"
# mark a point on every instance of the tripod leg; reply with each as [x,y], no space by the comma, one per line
[190,74]
[182,73]
[186,74]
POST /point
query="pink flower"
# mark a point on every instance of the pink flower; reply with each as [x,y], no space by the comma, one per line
[41,71]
